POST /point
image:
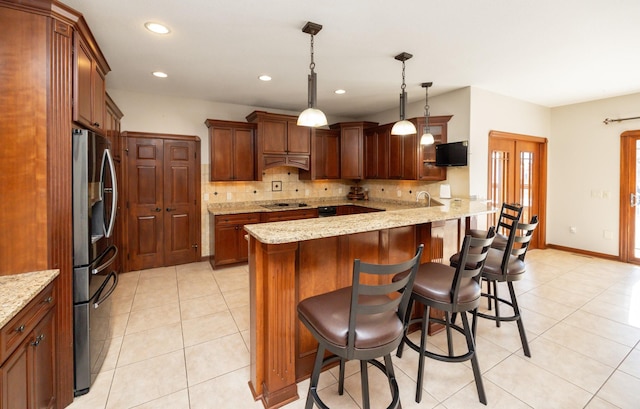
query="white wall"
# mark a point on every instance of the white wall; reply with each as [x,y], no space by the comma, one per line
[584,173]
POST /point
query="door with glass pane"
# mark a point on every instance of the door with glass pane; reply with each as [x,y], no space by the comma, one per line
[517,174]
[630,197]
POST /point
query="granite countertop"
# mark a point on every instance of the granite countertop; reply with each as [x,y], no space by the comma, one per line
[16,291]
[257,207]
[400,216]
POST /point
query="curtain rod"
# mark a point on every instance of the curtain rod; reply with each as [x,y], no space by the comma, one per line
[607,121]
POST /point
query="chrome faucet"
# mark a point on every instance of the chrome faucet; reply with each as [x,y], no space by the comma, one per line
[424,193]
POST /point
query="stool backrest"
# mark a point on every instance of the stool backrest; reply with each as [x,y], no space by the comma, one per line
[472,257]
[523,238]
[510,215]
[369,299]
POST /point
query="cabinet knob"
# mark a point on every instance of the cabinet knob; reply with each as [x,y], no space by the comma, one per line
[170,209]
[20,328]
[96,124]
[157,209]
[38,339]
[48,300]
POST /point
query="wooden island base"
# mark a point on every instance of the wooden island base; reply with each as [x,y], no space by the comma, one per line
[281,275]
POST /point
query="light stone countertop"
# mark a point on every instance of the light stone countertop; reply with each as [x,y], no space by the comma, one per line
[257,207]
[309,229]
[16,291]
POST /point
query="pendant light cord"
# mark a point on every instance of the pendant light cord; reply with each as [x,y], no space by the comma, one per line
[426,109]
[403,86]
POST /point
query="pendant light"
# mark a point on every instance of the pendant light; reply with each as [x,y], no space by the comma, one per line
[312,116]
[403,127]
[427,137]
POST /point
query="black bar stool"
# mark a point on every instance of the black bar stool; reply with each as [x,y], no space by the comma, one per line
[452,290]
[507,266]
[362,322]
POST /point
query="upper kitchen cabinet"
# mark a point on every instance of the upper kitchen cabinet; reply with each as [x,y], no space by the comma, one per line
[89,85]
[232,150]
[280,142]
[403,157]
[376,152]
[352,148]
[427,169]
[325,155]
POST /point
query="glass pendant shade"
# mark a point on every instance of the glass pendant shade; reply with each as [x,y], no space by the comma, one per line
[427,138]
[312,117]
[403,127]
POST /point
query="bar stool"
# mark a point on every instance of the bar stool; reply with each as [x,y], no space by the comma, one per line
[507,266]
[362,322]
[510,215]
[454,291]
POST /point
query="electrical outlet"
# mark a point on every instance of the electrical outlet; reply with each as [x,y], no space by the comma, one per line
[399,193]
[276,186]
[607,235]
[573,230]
[606,194]
[229,196]
[206,197]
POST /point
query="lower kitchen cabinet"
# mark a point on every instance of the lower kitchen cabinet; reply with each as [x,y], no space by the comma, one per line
[27,354]
[227,237]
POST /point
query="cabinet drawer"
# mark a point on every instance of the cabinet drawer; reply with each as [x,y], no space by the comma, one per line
[290,215]
[25,321]
[234,219]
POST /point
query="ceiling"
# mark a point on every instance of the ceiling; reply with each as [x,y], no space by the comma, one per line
[547,52]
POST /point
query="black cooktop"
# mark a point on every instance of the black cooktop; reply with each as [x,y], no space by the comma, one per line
[285,205]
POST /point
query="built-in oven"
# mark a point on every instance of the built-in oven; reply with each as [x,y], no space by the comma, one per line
[327,211]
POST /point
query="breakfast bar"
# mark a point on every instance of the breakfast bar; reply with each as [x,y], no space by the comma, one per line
[293,260]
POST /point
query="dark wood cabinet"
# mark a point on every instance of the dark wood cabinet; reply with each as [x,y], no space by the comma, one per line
[403,157]
[163,200]
[376,152]
[280,142]
[89,89]
[227,238]
[39,105]
[325,155]
[352,148]
[232,150]
[427,169]
[285,215]
[28,360]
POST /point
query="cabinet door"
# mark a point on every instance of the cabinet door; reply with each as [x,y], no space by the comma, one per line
[43,349]
[298,139]
[82,84]
[243,155]
[274,136]
[351,150]
[222,166]
[402,156]
[15,373]
[180,215]
[226,247]
[331,143]
[427,157]
[145,186]
[98,96]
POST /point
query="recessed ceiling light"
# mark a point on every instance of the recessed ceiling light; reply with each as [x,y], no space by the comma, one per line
[340,91]
[157,28]
[160,74]
[264,78]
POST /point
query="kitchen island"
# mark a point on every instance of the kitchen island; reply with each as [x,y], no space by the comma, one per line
[294,260]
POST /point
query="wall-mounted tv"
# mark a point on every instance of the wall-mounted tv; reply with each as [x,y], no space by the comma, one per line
[452,154]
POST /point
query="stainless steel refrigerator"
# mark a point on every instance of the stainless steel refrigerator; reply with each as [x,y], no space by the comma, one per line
[95,193]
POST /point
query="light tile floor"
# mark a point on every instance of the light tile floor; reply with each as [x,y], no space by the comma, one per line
[180,341]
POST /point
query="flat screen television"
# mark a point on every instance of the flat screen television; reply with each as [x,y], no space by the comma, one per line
[452,154]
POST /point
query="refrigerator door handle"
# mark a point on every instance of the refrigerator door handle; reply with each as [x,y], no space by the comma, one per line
[98,298]
[108,160]
[101,257]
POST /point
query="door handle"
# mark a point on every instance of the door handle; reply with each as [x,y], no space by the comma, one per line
[634,200]
[170,209]
[157,209]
